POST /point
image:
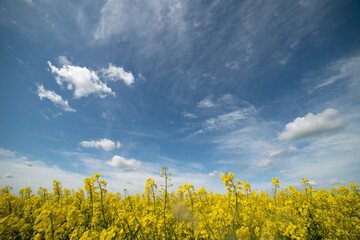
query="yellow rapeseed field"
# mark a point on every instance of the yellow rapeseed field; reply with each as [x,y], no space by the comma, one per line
[188,213]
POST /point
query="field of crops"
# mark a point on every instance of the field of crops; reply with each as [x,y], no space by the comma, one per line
[188,213]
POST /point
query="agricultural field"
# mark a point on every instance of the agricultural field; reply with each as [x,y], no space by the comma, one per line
[188,213]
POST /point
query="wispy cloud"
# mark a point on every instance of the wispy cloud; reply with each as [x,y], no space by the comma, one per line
[63,60]
[20,61]
[226,100]
[206,103]
[189,115]
[346,69]
[55,98]
[279,152]
[274,153]
[227,120]
[104,143]
[232,65]
[310,125]
[146,19]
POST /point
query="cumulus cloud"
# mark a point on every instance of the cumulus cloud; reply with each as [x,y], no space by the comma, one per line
[55,98]
[81,80]
[265,164]
[310,125]
[127,164]
[104,143]
[114,73]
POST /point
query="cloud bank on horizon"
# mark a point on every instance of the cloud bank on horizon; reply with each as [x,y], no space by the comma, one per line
[127,87]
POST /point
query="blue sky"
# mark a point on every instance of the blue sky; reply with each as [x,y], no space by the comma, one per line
[259,88]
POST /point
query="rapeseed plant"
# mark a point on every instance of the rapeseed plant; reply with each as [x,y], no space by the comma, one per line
[188,213]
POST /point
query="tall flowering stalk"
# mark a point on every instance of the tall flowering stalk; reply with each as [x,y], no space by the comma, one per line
[165,174]
[232,188]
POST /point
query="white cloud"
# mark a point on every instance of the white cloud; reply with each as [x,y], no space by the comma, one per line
[63,60]
[104,143]
[127,164]
[228,120]
[346,70]
[274,153]
[311,125]
[80,79]
[206,103]
[41,175]
[145,19]
[6,152]
[278,152]
[189,115]
[114,73]
[227,99]
[265,164]
[333,157]
[215,174]
[55,98]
